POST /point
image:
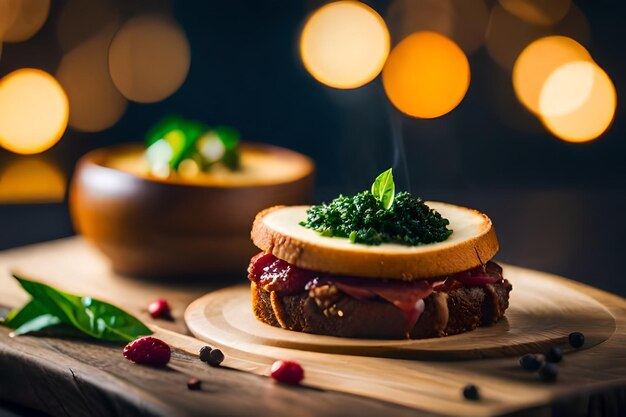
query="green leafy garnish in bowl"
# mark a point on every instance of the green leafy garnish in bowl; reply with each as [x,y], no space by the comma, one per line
[174,144]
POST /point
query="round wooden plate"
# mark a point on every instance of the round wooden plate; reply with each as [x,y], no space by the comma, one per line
[543,310]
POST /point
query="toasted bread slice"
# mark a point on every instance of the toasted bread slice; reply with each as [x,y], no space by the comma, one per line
[473,242]
[445,313]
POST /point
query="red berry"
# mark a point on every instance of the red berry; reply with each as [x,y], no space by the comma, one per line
[148,350]
[159,308]
[287,372]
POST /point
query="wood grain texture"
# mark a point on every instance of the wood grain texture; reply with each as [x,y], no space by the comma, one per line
[83,378]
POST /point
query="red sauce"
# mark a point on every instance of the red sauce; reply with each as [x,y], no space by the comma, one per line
[273,274]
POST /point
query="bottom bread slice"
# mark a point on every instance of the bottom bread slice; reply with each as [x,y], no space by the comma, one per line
[445,313]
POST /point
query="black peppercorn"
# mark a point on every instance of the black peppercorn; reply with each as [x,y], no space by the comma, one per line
[548,372]
[194,384]
[216,357]
[554,355]
[576,339]
[204,353]
[531,362]
[470,392]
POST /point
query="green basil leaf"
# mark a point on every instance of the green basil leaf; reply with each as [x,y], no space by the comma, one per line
[93,317]
[19,316]
[41,322]
[384,189]
[108,319]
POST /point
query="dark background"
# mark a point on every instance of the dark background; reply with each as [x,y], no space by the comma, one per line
[557,206]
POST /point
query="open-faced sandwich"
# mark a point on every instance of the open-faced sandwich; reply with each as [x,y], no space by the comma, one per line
[377,265]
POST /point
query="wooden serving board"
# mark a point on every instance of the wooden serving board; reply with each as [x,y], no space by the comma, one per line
[544,310]
[83,376]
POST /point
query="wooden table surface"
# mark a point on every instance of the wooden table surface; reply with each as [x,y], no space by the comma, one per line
[69,377]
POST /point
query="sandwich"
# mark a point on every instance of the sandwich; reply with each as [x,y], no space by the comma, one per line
[377,265]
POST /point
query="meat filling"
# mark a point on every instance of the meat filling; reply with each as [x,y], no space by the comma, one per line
[275,275]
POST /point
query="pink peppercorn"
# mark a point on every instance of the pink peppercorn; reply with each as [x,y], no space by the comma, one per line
[160,309]
[287,372]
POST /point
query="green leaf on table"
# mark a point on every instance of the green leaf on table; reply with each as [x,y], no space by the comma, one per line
[37,324]
[19,316]
[92,317]
[384,189]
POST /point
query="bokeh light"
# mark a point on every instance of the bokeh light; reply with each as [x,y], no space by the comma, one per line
[537,61]
[344,44]
[405,17]
[95,103]
[31,180]
[33,111]
[188,168]
[538,12]
[574,25]
[149,58]
[426,75]
[8,14]
[508,35]
[82,19]
[20,20]
[577,102]
[566,89]
[463,21]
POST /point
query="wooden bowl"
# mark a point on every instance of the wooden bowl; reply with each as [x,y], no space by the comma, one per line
[179,227]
